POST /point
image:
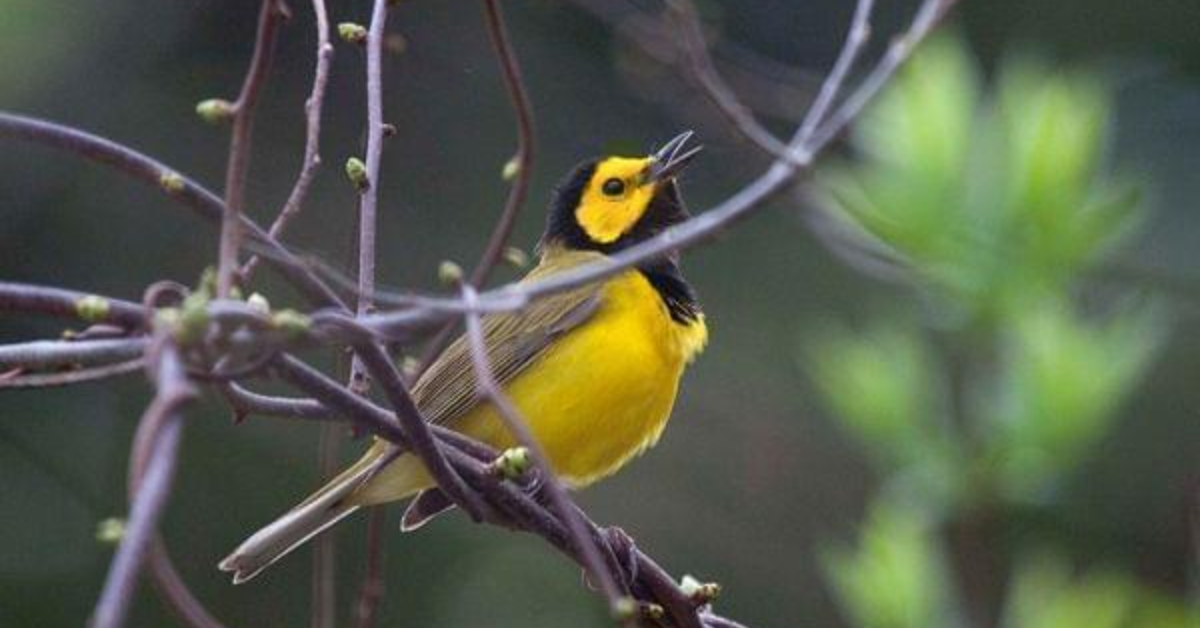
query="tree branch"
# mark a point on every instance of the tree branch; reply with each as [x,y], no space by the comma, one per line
[271,13]
[158,437]
[312,142]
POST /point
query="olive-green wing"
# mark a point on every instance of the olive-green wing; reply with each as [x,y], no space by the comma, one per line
[514,340]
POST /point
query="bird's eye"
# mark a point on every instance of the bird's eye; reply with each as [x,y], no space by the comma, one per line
[613,187]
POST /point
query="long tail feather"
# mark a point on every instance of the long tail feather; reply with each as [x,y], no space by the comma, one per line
[323,509]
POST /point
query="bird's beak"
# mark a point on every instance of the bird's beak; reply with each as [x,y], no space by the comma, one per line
[672,158]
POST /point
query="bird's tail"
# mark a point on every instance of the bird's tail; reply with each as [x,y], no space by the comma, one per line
[322,509]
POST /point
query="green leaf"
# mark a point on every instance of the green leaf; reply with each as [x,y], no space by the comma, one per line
[895,577]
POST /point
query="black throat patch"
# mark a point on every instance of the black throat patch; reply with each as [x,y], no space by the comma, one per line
[676,293]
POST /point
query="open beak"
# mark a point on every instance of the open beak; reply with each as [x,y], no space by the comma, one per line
[672,158]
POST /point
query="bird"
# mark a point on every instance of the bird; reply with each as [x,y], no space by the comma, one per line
[594,371]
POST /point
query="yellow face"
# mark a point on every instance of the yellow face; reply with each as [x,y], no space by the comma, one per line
[615,198]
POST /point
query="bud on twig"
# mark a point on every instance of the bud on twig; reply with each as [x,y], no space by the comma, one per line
[352,33]
[450,273]
[171,182]
[516,257]
[92,308]
[513,463]
[291,322]
[409,366]
[511,169]
[193,318]
[700,592]
[624,609]
[110,531]
[259,303]
[215,110]
[356,171]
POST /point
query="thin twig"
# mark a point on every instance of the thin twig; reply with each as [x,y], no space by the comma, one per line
[324,572]
[40,354]
[238,164]
[312,142]
[177,186]
[69,378]
[161,426]
[60,302]
[523,159]
[700,67]
[174,591]
[369,200]
[856,38]
[370,593]
[518,95]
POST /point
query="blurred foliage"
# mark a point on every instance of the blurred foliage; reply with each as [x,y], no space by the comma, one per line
[995,202]
[896,577]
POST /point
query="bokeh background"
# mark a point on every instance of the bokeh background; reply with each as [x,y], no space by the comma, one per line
[754,481]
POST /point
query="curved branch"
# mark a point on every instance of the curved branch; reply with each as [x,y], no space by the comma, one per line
[179,187]
[271,13]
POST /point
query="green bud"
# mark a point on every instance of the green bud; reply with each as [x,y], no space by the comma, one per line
[259,303]
[511,169]
[409,365]
[171,182]
[356,171]
[513,463]
[624,609]
[652,611]
[193,318]
[516,257]
[166,318]
[92,308]
[215,110]
[450,273]
[700,592]
[352,33]
[208,282]
[110,531]
[291,322]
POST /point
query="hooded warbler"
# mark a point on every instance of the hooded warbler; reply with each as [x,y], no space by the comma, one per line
[594,371]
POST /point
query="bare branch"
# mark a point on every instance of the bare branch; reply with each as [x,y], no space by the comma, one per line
[51,353]
[158,437]
[700,67]
[179,187]
[312,142]
[271,13]
[856,38]
[174,591]
[31,299]
[523,158]
[16,380]
[370,593]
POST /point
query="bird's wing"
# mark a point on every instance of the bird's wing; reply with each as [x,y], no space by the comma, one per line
[514,340]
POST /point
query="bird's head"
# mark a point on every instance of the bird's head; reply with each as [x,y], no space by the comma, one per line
[609,203]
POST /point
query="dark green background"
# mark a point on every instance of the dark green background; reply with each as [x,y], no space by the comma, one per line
[750,480]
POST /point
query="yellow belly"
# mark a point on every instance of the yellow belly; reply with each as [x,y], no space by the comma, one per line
[599,396]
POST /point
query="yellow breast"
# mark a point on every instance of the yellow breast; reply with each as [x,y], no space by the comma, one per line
[604,391]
